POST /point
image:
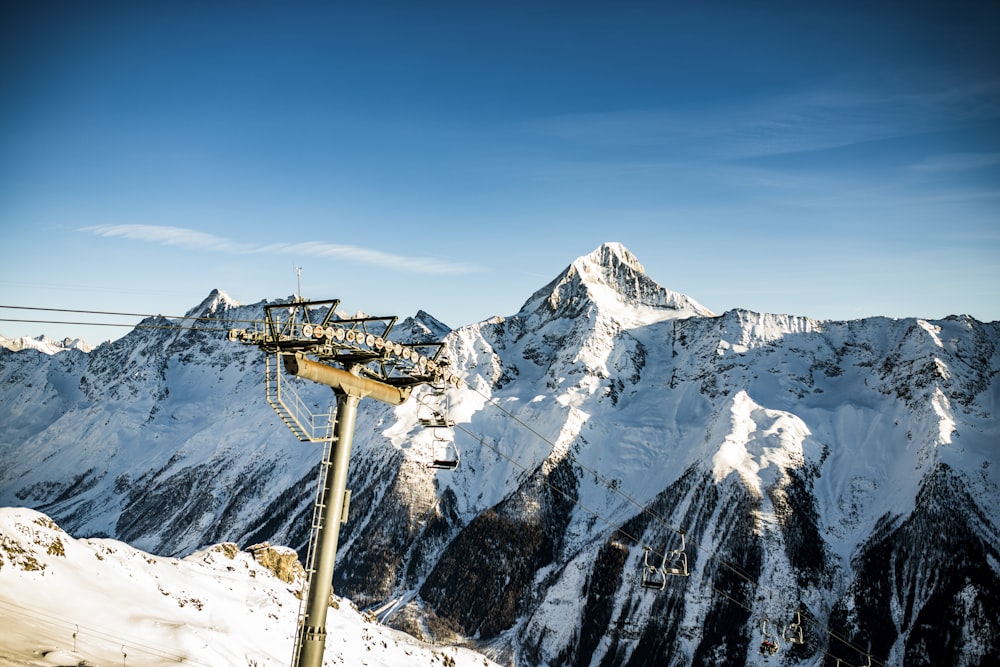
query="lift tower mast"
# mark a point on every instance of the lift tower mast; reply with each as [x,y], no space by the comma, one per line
[356,359]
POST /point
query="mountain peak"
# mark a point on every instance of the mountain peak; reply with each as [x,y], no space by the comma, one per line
[613,279]
[215,301]
[610,255]
[434,326]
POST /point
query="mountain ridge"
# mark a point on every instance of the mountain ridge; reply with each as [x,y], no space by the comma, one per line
[592,424]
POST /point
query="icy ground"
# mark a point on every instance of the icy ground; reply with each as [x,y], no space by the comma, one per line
[66,601]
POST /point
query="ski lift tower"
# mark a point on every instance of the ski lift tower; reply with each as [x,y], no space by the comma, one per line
[356,359]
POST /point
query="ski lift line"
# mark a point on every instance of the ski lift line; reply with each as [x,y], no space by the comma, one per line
[872,662]
[840,661]
[653,515]
[650,549]
[84,631]
[85,324]
[642,508]
[817,625]
[113,324]
[730,597]
[109,312]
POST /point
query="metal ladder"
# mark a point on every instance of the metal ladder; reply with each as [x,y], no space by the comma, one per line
[310,564]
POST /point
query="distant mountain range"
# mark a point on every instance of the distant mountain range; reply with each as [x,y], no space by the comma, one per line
[829,482]
[43,344]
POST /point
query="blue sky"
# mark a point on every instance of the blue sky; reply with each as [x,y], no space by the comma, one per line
[833,160]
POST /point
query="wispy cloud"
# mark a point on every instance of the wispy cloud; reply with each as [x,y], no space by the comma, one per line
[793,122]
[957,162]
[191,239]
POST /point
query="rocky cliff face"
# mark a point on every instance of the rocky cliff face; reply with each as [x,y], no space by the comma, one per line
[840,476]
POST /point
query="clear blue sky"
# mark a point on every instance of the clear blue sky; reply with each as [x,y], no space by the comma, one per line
[833,160]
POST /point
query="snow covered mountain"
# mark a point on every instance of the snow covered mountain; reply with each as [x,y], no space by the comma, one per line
[43,344]
[837,478]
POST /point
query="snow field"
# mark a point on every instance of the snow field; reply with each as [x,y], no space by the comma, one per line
[215,608]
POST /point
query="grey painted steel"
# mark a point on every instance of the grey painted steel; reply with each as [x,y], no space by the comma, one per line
[341,380]
[364,357]
[312,639]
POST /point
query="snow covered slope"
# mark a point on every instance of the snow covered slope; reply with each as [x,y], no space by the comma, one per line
[846,471]
[65,601]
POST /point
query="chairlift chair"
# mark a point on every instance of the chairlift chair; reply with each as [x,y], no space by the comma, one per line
[678,566]
[436,417]
[769,643]
[793,631]
[652,576]
[432,416]
[445,455]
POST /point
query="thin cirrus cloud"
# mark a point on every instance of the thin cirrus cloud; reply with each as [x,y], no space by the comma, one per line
[190,239]
[957,162]
[796,122]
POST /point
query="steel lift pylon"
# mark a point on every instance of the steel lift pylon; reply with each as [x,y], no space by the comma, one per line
[356,359]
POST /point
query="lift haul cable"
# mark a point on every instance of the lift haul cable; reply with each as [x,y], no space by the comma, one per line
[109,312]
[168,327]
[656,517]
[619,531]
[840,661]
[612,487]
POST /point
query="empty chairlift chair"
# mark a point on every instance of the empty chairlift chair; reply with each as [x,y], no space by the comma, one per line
[434,410]
[652,575]
[435,414]
[673,564]
[445,455]
[793,631]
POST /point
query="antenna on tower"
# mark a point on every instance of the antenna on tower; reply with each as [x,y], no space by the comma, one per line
[298,276]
